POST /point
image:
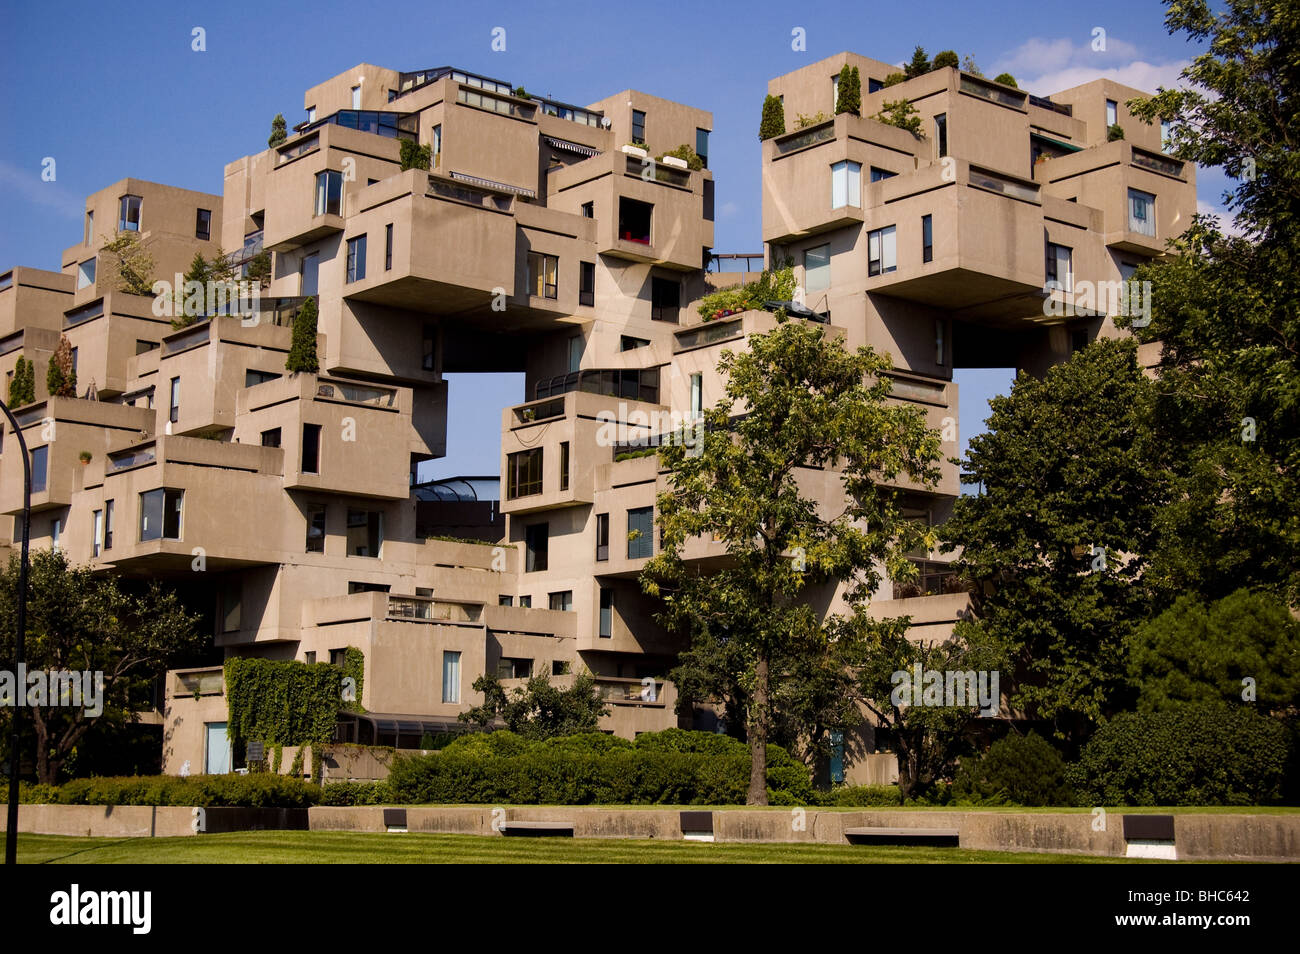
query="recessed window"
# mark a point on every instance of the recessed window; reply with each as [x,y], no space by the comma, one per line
[329,193]
[1166,134]
[564,465]
[365,532]
[310,274]
[665,299]
[638,126]
[640,533]
[1112,112]
[311,114]
[587,283]
[882,251]
[589,210]
[524,473]
[846,184]
[253,377]
[128,216]
[86,273]
[634,220]
[940,351]
[356,96]
[203,224]
[96,532]
[878,175]
[697,397]
[606,612]
[310,449]
[108,524]
[927,238]
[388,247]
[40,468]
[450,676]
[316,528]
[702,146]
[602,536]
[1059,267]
[577,345]
[536,548]
[90,227]
[543,272]
[271,438]
[510,668]
[817,268]
[505,600]
[1141,212]
[356,258]
[525,602]
[630,343]
[174,401]
[160,514]
[230,608]
[941,134]
[562,601]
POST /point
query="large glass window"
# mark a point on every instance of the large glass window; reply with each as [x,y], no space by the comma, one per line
[128,217]
[564,465]
[329,193]
[634,219]
[640,533]
[524,473]
[665,299]
[86,273]
[316,528]
[160,514]
[537,541]
[882,251]
[702,146]
[562,601]
[108,524]
[587,283]
[1141,212]
[1112,112]
[697,396]
[96,532]
[356,258]
[203,224]
[638,126]
[846,184]
[817,268]
[40,468]
[543,272]
[450,676]
[1060,273]
[365,532]
[174,401]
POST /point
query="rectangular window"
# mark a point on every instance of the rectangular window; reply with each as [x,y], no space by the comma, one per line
[128,217]
[665,299]
[640,533]
[874,85]
[40,468]
[253,377]
[941,134]
[108,524]
[846,184]
[86,274]
[589,210]
[882,251]
[878,175]
[602,537]
[90,227]
[160,514]
[525,602]
[56,533]
[630,343]
[638,126]
[587,283]
[356,258]
[1112,113]
[508,668]
[504,600]
[96,532]
[316,528]
[634,219]
[365,532]
[940,354]
[835,93]
[524,473]
[310,275]
[311,114]
[562,601]
[537,548]
[388,247]
[1060,273]
[437,143]
[697,396]
[817,268]
[356,97]
[271,438]
[1141,212]
[606,613]
[1166,133]
[329,193]
[564,465]
[543,271]
[927,238]
[203,224]
[310,449]
[450,676]
[702,146]
[428,344]
[174,402]
[309,657]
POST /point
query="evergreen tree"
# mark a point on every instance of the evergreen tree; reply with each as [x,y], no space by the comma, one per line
[919,65]
[850,91]
[22,386]
[773,123]
[61,376]
[191,307]
[302,351]
[278,131]
[946,58]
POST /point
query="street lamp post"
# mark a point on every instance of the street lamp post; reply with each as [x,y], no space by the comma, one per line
[11,828]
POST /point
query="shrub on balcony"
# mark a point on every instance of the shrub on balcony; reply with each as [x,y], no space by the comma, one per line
[969,65]
[773,122]
[919,65]
[691,157]
[773,285]
[279,132]
[61,375]
[893,79]
[302,349]
[945,59]
[22,386]
[902,114]
[415,156]
[132,263]
[259,268]
[1006,79]
[803,122]
[1018,770]
[1114,132]
[849,99]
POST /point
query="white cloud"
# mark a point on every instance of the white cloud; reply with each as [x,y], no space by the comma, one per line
[1045,66]
[28,184]
[729,209]
[1227,222]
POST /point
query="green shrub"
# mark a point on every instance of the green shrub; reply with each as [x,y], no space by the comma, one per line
[773,121]
[893,79]
[774,284]
[863,796]
[902,114]
[356,793]
[684,151]
[849,98]
[689,741]
[1023,770]
[595,742]
[1205,754]
[261,790]
[487,744]
[302,346]
[945,58]
[415,156]
[1114,132]
[1006,79]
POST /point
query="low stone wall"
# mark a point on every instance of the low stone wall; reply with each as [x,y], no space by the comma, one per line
[1208,836]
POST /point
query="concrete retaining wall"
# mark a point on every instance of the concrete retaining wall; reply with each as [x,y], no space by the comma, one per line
[104,821]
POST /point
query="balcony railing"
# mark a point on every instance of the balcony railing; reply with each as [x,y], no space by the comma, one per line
[710,333]
[681,178]
[584,117]
[494,103]
[1168,167]
[1044,103]
[377,122]
[136,457]
[410,82]
[442,189]
[630,691]
[356,393]
[1008,187]
[996,94]
[634,384]
[812,137]
[199,682]
[424,609]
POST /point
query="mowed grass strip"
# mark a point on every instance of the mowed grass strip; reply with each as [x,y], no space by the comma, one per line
[331,847]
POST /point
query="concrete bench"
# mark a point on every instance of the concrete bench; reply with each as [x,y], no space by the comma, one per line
[537,829]
[935,837]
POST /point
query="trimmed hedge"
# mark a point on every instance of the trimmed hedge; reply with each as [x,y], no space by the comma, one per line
[259,790]
[668,768]
[1016,770]
[863,796]
[346,794]
[1190,755]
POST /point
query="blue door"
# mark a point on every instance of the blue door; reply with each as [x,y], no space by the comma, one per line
[216,759]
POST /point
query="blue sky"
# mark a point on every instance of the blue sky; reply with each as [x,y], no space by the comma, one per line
[115,90]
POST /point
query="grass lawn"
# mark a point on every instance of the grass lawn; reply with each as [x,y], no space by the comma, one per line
[331,847]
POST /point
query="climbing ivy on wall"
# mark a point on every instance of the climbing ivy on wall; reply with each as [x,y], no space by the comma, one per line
[354,665]
[288,703]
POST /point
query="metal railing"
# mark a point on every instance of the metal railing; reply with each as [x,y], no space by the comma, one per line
[1044,103]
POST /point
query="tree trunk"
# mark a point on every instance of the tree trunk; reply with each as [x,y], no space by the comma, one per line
[758,730]
[44,771]
[908,767]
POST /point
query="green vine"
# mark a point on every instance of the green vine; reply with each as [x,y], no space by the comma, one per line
[288,703]
[354,665]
